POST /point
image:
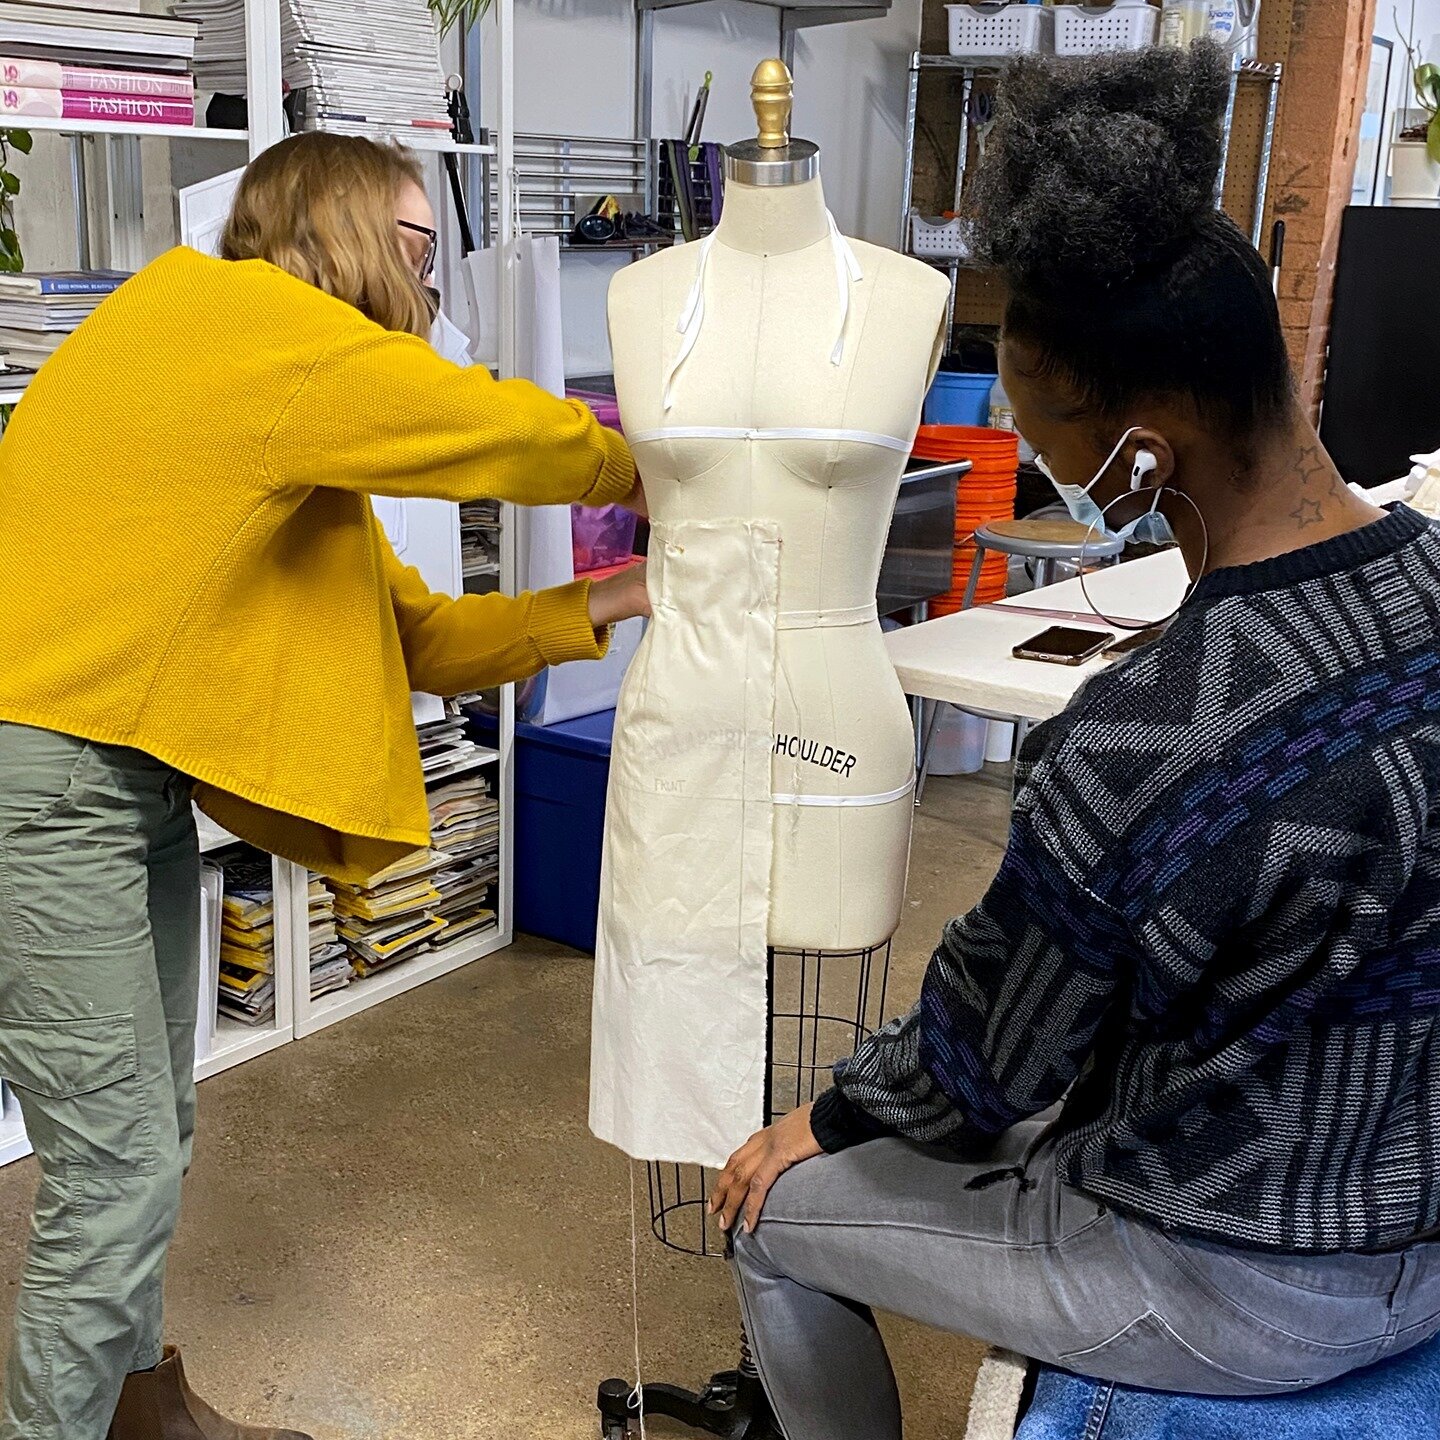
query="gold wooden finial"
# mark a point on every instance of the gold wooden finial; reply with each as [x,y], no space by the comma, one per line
[772,93]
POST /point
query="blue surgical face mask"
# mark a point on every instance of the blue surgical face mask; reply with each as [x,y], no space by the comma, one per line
[1151,527]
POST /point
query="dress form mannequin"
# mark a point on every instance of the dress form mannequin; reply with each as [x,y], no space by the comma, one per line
[770,380]
[763,361]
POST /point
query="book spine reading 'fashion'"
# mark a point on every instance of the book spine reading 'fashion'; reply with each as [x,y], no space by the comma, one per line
[80,105]
[50,75]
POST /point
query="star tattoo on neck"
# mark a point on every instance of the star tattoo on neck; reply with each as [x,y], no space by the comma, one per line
[1307,513]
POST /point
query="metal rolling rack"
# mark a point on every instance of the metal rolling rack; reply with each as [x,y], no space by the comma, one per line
[971,70]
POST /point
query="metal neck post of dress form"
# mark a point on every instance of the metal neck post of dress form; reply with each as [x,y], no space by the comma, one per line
[772,158]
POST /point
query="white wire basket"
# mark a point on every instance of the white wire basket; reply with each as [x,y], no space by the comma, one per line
[984,31]
[1091,29]
[937,239]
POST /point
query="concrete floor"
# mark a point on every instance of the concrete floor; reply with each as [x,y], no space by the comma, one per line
[402,1228]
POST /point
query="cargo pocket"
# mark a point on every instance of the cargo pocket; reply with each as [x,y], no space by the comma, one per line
[78,1082]
[41,781]
[1148,1353]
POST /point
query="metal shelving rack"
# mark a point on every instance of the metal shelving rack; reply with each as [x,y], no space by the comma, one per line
[972,69]
[794,16]
[117,146]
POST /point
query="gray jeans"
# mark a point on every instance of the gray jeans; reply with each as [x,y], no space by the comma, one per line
[1023,1261]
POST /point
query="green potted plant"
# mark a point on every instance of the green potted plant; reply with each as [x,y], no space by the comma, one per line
[1415,152]
[451,12]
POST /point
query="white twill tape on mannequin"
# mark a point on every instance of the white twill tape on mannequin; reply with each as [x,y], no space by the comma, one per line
[846,802]
[692,317]
[787,432]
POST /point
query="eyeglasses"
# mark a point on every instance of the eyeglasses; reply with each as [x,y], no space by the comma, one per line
[432,243]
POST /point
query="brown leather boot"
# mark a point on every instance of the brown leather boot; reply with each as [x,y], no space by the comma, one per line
[159,1404]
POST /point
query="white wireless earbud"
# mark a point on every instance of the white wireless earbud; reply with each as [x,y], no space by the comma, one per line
[1144,465]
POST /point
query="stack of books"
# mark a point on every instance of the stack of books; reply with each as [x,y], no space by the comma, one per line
[329,956]
[480,538]
[390,916]
[361,67]
[38,310]
[247,939]
[95,61]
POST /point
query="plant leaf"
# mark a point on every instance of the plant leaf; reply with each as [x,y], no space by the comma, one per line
[22,140]
[1432,138]
[449,12]
[9,182]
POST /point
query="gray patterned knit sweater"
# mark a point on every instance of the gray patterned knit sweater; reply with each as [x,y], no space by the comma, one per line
[1216,928]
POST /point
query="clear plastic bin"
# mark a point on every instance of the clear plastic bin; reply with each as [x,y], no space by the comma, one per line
[601,538]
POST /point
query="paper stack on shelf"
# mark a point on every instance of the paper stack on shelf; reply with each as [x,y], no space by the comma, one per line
[329,955]
[38,310]
[389,917]
[465,826]
[429,900]
[480,538]
[362,67]
[247,939]
[93,36]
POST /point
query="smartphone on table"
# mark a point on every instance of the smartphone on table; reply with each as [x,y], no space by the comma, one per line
[1134,641]
[1064,645]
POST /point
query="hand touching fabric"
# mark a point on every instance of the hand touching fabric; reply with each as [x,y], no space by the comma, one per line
[758,1164]
[619,597]
[635,500]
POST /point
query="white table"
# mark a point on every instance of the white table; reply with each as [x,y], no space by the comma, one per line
[966,659]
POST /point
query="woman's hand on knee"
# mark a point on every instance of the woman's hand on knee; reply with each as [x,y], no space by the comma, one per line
[758,1164]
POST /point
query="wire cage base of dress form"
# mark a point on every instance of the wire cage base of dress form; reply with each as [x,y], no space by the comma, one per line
[823,1003]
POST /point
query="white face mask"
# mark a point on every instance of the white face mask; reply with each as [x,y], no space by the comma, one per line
[1151,526]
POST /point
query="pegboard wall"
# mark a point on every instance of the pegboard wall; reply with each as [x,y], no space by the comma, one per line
[979,299]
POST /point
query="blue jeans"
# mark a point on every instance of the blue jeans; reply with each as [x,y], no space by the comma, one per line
[1002,1251]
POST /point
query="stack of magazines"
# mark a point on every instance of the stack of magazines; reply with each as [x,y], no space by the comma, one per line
[433,898]
[38,310]
[95,61]
[361,67]
[480,538]
[390,916]
[465,826]
[247,939]
[329,956]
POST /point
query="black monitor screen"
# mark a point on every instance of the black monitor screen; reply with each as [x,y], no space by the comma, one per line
[1382,388]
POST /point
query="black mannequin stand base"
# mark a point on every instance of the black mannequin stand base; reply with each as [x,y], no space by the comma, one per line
[732,1406]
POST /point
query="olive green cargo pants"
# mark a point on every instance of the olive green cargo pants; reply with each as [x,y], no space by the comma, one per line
[99,964]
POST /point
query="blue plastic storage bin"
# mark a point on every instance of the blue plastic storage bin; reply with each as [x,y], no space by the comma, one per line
[956,399]
[561,775]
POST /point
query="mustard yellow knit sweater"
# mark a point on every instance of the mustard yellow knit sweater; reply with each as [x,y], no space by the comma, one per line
[189,564]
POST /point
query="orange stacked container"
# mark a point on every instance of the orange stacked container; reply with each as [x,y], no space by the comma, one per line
[986,493]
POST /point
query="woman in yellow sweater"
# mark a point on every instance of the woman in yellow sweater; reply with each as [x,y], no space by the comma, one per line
[196,601]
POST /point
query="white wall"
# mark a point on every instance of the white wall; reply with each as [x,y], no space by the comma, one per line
[1392,21]
[575,67]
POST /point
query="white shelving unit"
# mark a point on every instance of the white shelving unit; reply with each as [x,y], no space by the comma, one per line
[296,1015]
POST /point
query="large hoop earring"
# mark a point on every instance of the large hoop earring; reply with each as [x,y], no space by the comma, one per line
[1189,590]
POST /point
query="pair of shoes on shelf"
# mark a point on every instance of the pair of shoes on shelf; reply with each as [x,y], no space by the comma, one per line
[159,1404]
